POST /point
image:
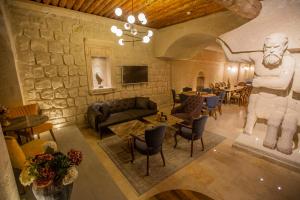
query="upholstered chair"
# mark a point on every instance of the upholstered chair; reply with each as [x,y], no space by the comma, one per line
[150,145]
[31,109]
[189,109]
[183,97]
[221,95]
[193,132]
[212,105]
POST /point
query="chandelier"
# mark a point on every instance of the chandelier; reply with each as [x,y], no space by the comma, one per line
[129,33]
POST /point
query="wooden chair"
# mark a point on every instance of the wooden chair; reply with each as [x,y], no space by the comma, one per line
[211,106]
[175,98]
[193,132]
[31,109]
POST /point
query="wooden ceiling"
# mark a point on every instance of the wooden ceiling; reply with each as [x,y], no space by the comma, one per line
[159,13]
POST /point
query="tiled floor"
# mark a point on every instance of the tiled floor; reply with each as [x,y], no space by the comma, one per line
[222,173]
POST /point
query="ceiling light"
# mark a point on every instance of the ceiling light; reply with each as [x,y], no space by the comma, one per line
[119,32]
[141,17]
[146,39]
[118,12]
[261,179]
[188,12]
[131,19]
[150,33]
[121,42]
[144,21]
[127,26]
[113,29]
[279,188]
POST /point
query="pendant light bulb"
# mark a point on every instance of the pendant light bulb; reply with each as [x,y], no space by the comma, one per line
[113,29]
[134,31]
[118,12]
[119,32]
[131,19]
[150,33]
[144,21]
[141,17]
[127,26]
[146,39]
[121,42]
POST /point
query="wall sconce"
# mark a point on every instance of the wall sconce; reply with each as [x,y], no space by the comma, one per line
[232,69]
[246,68]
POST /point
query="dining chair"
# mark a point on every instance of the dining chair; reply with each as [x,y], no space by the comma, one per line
[150,145]
[192,133]
[175,98]
[31,109]
[221,95]
[211,106]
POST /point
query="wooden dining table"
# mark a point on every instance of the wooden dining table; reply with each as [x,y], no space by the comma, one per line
[202,94]
[230,91]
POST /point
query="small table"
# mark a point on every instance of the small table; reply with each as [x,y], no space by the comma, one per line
[194,93]
[171,120]
[126,129]
[25,122]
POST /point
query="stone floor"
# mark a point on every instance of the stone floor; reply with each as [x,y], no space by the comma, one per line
[222,173]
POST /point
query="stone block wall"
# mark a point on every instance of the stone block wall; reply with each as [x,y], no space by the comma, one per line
[52,66]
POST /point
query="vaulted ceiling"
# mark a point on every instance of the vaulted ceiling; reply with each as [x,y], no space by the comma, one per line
[159,13]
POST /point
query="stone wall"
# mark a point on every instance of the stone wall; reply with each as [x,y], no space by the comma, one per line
[52,65]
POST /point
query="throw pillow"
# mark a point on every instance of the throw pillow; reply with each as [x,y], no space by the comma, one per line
[141,102]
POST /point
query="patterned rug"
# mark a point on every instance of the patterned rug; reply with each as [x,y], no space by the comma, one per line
[176,159]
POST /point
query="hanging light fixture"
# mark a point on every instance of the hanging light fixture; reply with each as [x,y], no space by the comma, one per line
[130,33]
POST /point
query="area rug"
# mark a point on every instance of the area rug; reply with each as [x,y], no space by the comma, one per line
[176,159]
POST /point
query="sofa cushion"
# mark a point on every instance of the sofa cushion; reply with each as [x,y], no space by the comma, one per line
[142,102]
[137,113]
[117,118]
[121,105]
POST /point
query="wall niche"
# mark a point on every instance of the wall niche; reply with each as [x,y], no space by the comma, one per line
[98,59]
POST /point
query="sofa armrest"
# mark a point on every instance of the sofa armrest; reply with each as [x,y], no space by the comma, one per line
[152,105]
[94,116]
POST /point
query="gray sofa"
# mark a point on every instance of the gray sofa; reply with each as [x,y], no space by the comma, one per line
[104,114]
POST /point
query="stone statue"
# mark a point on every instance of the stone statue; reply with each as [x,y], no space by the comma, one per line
[99,80]
[274,69]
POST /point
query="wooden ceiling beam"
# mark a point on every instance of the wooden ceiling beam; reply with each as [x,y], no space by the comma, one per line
[70,4]
[111,11]
[94,5]
[62,3]
[86,5]
[101,6]
[78,4]
[47,2]
[54,2]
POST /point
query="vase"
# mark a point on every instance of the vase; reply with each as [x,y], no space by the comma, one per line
[52,192]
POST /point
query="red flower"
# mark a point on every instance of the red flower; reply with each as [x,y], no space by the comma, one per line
[75,157]
[44,157]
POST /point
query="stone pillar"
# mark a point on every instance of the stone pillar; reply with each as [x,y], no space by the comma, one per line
[8,187]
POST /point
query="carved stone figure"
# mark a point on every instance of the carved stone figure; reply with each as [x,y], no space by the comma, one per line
[274,69]
[99,80]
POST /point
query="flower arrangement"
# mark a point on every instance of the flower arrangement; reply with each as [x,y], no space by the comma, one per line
[3,118]
[3,110]
[51,168]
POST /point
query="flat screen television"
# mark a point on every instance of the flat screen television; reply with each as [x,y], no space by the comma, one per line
[134,74]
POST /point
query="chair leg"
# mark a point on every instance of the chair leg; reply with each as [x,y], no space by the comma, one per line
[52,134]
[202,144]
[162,157]
[147,165]
[100,133]
[192,147]
[39,136]
[175,138]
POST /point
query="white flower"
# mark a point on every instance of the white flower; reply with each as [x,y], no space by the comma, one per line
[71,176]
[25,177]
[50,144]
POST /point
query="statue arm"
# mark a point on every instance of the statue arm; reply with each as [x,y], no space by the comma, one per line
[280,82]
[236,57]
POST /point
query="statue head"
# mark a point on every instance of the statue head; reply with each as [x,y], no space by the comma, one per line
[274,47]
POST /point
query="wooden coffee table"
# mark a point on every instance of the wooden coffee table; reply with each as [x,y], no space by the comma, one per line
[126,129]
[172,120]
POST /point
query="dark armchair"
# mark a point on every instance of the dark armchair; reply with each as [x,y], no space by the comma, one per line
[189,109]
[193,132]
[187,89]
[152,144]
